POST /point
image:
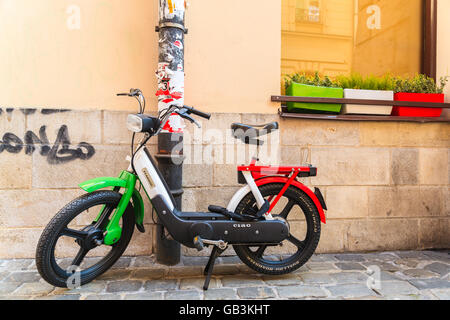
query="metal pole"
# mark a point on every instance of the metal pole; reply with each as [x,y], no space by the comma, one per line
[170,76]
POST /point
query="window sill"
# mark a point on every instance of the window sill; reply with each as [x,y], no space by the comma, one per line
[284,114]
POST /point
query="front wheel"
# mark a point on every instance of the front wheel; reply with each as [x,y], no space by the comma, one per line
[71,244]
[304,222]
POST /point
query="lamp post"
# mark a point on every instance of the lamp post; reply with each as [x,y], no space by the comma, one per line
[170,92]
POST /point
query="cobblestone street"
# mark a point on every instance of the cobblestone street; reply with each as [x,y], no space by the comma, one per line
[402,275]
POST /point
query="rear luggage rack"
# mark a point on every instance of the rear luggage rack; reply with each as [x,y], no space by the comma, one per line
[260,171]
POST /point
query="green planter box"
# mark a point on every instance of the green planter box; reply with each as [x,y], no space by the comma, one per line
[303,90]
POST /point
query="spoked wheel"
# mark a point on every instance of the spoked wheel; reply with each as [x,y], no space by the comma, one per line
[73,240]
[304,221]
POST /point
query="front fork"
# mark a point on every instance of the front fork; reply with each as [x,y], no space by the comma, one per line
[126,181]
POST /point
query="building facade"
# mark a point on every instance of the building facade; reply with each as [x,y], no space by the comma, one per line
[62,62]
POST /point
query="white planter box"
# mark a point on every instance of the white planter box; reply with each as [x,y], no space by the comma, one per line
[367,95]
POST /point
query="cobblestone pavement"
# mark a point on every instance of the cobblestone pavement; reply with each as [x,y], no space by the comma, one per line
[402,275]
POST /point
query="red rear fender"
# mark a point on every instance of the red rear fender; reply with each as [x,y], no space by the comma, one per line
[299,185]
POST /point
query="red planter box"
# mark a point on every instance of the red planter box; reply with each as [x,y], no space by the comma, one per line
[418,97]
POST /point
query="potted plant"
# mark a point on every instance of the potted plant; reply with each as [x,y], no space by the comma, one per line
[303,85]
[369,88]
[419,89]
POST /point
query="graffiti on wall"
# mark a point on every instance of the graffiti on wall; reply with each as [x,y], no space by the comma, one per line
[59,152]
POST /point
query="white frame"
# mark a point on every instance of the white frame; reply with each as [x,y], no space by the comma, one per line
[154,186]
[149,178]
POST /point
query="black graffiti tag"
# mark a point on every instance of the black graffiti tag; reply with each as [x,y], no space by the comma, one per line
[61,151]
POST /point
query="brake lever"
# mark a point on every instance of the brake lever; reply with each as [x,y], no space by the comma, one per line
[184,115]
[192,120]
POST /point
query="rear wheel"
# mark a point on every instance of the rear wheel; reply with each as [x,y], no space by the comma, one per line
[71,244]
[304,221]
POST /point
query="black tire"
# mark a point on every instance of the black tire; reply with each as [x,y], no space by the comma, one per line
[46,262]
[278,264]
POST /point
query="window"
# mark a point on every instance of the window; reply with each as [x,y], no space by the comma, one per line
[308,11]
[371,37]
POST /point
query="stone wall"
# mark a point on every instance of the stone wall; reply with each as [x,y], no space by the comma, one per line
[386,184]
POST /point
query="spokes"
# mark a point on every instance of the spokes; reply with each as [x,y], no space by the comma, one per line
[296,242]
[87,239]
[299,244]
[79,235]
[287,209]
[79,257]
[259,253]
[103,220]
[284,213]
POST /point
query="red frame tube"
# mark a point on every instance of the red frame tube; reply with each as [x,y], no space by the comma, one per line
[286,186]
[266,175]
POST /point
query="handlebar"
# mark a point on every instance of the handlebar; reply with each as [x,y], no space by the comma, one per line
[132,93]
[198,112]
[184,111]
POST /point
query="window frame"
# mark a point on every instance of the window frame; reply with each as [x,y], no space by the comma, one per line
[429,38]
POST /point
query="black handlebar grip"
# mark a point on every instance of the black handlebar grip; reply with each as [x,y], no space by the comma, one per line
[199,113]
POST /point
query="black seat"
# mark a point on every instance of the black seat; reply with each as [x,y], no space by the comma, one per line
[246,132]
[249,134]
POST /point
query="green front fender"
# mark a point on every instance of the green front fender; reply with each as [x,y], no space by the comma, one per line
[102,183]
[128,181]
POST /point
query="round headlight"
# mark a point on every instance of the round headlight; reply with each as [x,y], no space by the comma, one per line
[134,123]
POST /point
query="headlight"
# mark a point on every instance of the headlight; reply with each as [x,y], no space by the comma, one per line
[134,123]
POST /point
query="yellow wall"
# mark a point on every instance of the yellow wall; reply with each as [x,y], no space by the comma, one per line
[443,46]
[232,54]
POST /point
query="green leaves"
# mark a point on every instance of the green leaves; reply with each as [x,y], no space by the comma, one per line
[315,80]
[418,84]
[357,81]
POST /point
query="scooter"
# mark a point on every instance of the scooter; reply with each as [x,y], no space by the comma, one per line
[255,222]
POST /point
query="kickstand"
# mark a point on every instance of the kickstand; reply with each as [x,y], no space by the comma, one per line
[216,252]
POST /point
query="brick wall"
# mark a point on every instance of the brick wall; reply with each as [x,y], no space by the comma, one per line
[386,184]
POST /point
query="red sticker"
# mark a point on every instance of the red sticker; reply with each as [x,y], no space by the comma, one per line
[178,44]
[174,125]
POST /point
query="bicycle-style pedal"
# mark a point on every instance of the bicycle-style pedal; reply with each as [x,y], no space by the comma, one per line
[198,243]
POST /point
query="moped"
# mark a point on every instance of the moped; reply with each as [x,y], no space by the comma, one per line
[255,222]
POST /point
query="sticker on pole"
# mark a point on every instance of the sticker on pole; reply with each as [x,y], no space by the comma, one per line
[171,8]
[170,92]
[170,86]
[174,125]
[178,44]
